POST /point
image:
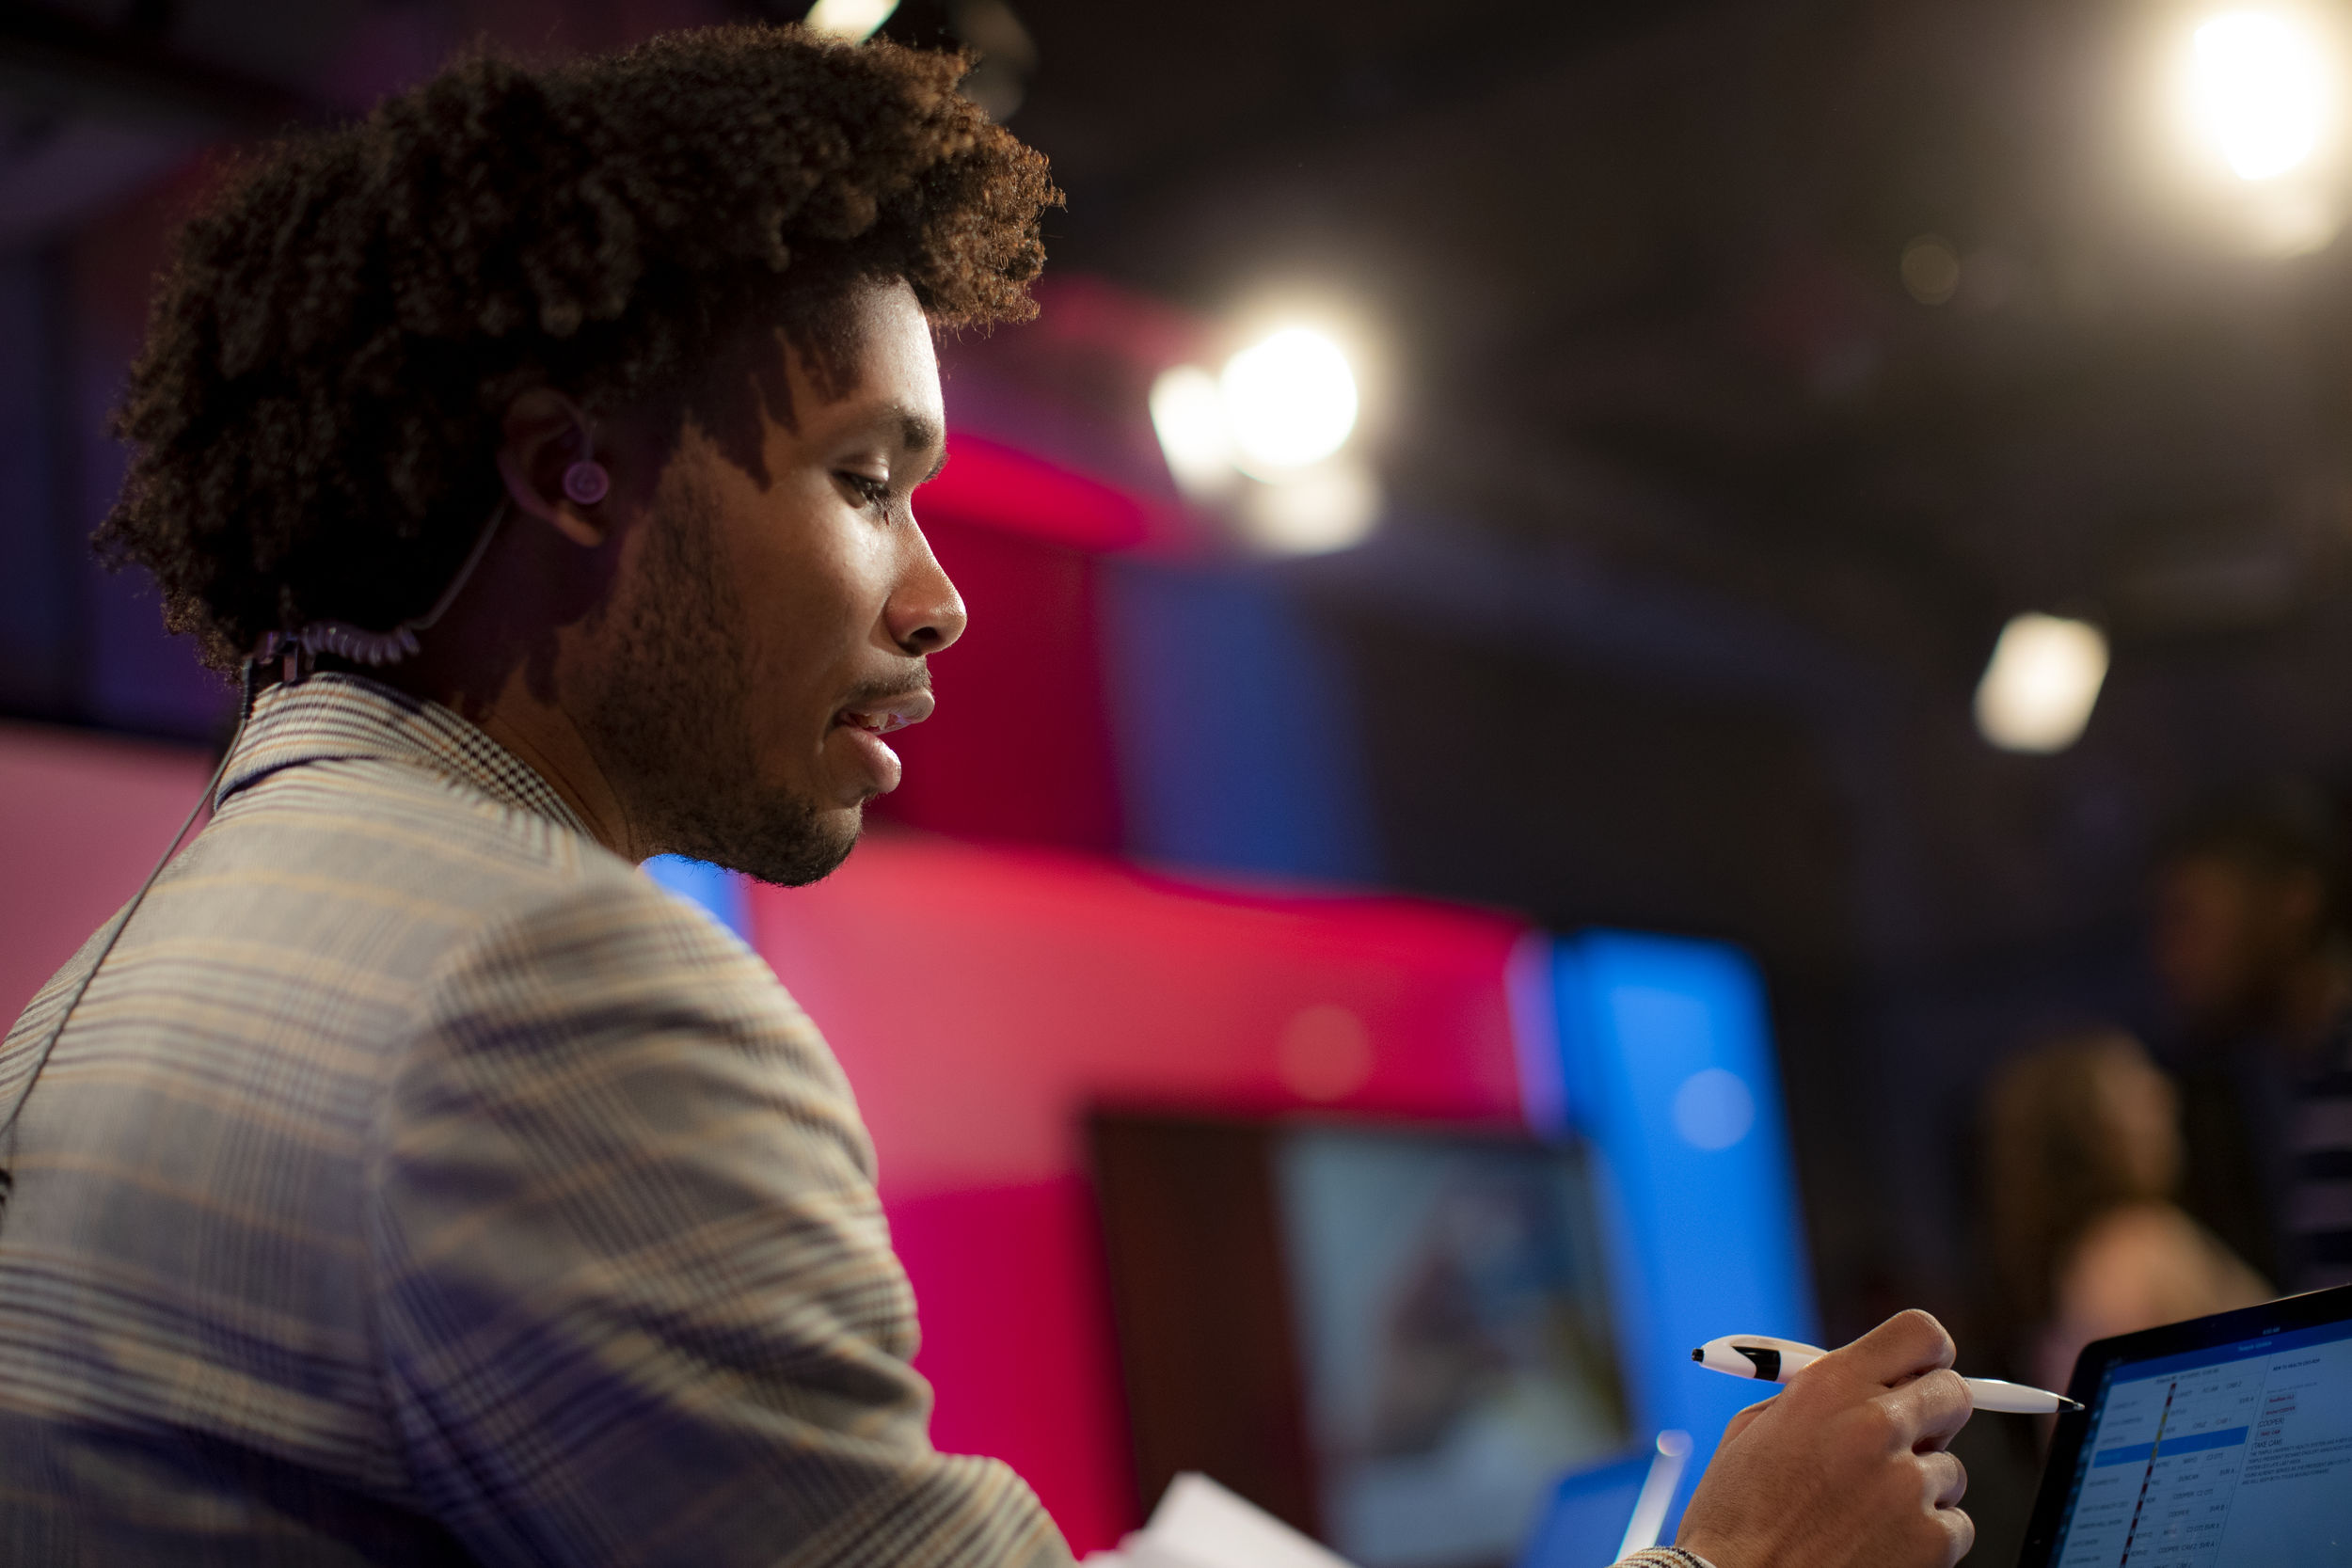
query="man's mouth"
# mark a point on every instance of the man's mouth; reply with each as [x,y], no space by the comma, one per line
[884,715]
[867,717]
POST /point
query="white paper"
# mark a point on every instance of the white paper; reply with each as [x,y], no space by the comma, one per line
[1199,1524]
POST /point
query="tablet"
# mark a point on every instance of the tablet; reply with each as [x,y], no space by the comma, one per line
[2223,1442]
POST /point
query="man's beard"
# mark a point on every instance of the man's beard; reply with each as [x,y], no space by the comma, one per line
[674,724]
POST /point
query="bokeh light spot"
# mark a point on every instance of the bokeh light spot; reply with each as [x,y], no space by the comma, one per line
[850,21]
[1292,399]
[1930,269]
[2259,92]
[2041,683]
[1324,1054]
[1713,1109]
[1196,437]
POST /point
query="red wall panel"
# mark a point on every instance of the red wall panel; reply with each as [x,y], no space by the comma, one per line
[1020,747]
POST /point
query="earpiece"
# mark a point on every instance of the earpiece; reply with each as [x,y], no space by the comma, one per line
[586,483]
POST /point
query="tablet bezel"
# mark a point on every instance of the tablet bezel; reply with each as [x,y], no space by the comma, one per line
[2308,1311]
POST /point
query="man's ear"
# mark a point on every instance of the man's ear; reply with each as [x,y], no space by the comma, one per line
[544,434]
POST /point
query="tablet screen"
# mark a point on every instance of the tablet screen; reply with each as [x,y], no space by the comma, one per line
[2230,1454]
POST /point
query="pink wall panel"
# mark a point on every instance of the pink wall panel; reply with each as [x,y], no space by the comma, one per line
[991,485]
[981,998]
[1017,1341]
[82,819]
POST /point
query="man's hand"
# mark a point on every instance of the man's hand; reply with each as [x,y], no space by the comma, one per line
[1847,1467]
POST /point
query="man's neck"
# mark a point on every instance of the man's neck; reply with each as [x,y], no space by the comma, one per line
[544,735]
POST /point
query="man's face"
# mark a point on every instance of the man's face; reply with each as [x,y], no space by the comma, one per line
[778,603]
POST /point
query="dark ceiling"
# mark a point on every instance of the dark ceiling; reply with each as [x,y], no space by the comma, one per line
[1653,254]
[1637,268]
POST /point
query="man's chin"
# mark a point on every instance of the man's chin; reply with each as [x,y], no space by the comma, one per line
[789,845]
[811,860]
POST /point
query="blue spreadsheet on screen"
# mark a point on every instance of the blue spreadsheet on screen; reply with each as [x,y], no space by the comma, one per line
[2237,1453]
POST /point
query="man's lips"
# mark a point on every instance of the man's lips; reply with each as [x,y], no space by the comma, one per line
[867,718]
[882,715]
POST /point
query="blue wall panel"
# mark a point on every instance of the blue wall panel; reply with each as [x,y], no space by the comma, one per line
[1667,1067]
[1236,746]
[718,890]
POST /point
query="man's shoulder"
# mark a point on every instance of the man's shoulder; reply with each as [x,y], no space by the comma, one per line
[607,940]
[416,859]
[491,890]
[367,811]
[353,886]
[340,914]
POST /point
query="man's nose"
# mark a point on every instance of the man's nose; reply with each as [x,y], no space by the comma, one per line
[925,614]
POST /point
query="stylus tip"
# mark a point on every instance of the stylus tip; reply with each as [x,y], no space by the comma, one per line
[2065,1403]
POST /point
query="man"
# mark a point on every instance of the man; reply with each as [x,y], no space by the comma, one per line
[414,1183]
[2251,950]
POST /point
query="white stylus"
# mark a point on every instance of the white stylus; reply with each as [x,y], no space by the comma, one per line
[1770,1360]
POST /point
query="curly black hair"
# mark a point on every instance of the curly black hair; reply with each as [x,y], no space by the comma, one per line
[333,346]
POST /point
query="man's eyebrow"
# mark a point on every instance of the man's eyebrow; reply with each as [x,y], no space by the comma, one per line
[921,432]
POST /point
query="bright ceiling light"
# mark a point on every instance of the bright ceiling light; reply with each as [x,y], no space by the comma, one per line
[1196,437]
[2259,92]
[1291,401]
[850,21]
[2041,683]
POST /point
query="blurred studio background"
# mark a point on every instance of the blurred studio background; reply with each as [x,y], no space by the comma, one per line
[1639,669]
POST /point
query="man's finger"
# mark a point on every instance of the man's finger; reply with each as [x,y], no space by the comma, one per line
[1960,1533]
[1907,1345]
[1931,1409]
[1947,1478]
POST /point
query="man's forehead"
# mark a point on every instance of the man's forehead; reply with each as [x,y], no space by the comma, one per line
[876,368]
[864,366]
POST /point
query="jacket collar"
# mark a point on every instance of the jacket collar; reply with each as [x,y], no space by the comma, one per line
[334,717]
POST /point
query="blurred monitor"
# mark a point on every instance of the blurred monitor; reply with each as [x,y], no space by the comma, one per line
[1393,1335]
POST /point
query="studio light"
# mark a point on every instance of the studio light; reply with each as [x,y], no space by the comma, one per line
[2259,92]
[2041,683]
[1291,399]
[850,21]
[1196,437]
[1261,442]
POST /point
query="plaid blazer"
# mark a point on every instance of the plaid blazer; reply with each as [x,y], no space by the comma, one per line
[418,1184]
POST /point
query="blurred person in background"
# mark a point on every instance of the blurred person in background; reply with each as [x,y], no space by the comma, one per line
[2252,949]
[413,1181]
[2082,1164]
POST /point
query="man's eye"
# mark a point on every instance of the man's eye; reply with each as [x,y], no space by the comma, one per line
[872,491]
